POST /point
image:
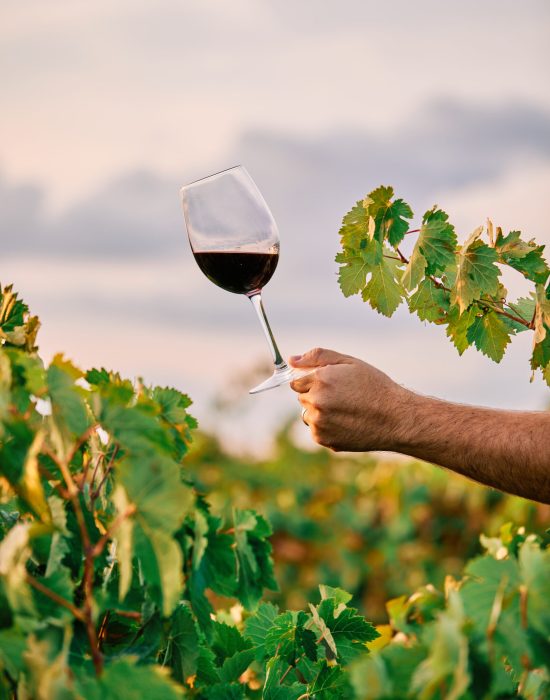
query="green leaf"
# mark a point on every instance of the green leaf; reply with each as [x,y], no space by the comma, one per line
[349,630]
[330,684]
[253,551]
[14,554]
[354,227]
[161,561]
[526,257]
[60,582]
[487,577]
[477,273]
[227,641]
[123,680]
[431,303]
[68,406]
[434,251]
[173,405]
[182,651]
[458,325]
[490,335]
[339,596]
[289,639]
[277,673]
[384,291]
[390,217]
[437,241]
[535,571]
[155,488]
[447,663]
[12,646]
[258,625]
[234,666]
[17,327]
[352,276]
[224,691]
[401,663]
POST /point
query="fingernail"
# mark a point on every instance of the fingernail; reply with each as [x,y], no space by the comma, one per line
[295,358]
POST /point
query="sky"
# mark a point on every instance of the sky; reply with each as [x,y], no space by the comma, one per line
[106,109]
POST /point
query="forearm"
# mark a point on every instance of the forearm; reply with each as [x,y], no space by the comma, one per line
[509,450]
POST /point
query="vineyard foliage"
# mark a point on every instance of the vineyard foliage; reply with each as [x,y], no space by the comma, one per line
[377,528]
[121,577]
[456,286]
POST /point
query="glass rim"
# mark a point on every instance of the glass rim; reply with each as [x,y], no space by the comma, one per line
[207,177]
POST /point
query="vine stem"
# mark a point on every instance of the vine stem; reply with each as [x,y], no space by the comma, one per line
[107,471]
[54,481]
[88,575]
[102,541]
[52,595]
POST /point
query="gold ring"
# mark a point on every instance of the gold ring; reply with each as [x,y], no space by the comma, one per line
[304,411]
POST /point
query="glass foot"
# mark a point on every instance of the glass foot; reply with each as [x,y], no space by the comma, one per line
[281,376]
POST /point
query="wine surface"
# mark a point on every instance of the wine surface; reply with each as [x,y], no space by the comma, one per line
[236,271]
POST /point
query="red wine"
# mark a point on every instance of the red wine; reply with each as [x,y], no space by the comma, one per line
[236,271]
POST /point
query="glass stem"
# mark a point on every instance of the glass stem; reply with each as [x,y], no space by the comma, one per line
[256,299]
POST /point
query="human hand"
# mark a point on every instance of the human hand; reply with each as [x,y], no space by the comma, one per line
[349,404]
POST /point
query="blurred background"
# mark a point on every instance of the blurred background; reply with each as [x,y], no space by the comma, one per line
[107,108]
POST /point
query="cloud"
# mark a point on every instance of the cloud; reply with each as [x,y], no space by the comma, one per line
[309,183]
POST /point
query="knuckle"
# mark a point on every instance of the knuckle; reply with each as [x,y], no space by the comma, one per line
[316,353]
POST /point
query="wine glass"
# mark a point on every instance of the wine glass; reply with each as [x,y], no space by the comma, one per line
[235,242]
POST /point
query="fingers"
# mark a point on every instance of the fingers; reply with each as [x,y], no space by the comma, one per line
[303,384]
[319,357]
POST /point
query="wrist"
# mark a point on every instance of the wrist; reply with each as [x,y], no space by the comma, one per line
[406,409]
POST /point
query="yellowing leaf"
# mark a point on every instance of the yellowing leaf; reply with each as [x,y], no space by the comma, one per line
[386,633]
[123,538]
[477,274]
[30,487]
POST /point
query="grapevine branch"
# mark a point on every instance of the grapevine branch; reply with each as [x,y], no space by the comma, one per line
[484,303]
[52,595]
[88,575]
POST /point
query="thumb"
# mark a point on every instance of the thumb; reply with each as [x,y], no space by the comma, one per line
[318,357]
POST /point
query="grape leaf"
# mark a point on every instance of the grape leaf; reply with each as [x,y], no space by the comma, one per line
[224,691]
[490,335]
[526,257]
[384,291]
[435,248]
[161,562]
[352,276]
[253,550]
[331,683]
[437,241]
[447,662]
[458,325]
[477,274]
[390,217]
[354,227]
[227,641]
[288,638]
[349,630]
[430,302]
[182,650]
[258,625]
[273,689]
[234,666]
[123,679]
[68,407]
[486,576]
[535,571]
